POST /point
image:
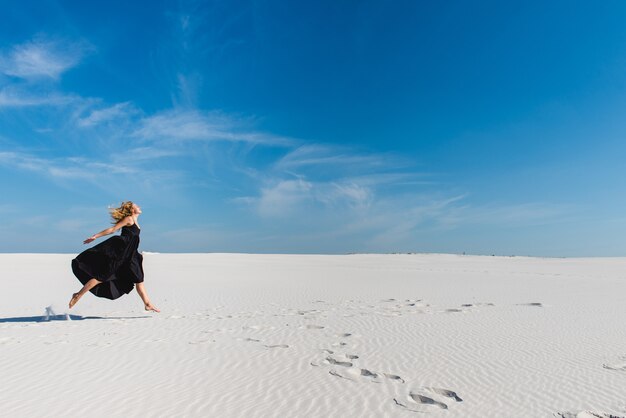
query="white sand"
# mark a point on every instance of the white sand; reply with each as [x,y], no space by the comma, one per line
[319,336]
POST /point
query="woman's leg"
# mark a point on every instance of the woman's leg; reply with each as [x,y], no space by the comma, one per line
[86,288]
[141,290]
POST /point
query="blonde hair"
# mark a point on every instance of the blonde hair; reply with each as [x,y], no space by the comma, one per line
[125,209]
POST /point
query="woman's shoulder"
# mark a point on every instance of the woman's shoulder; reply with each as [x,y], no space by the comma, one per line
[127,221]
[132,221]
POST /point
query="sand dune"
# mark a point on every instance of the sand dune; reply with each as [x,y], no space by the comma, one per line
[244,335]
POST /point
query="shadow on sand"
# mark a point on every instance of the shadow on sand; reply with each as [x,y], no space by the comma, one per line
[53,316]
[64,317]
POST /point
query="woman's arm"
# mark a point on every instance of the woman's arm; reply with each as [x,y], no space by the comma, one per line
[141,290]
[126,221]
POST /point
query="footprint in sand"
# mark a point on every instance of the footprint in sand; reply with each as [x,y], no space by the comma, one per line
[277,346]
[201,342]
[394,377]
[469,305]
[258,327]
[412,302]
[586,414]
[97,344]
[219,330]
[368,373]
[338,362]
[56,342]
[621,366]
[425,400]
[447,393]
[154,340]
[311,327]
[253,340]
[353,373]
[429,397]
[335,359]
[334,373]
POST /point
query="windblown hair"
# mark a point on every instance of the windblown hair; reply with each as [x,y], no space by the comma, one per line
[125,209]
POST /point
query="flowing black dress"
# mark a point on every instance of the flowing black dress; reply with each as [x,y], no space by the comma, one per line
[115,262]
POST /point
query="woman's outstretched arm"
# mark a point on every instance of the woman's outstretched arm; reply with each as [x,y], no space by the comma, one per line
[141,290]
[126,221]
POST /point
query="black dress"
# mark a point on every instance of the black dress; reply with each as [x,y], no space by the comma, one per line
[115,262]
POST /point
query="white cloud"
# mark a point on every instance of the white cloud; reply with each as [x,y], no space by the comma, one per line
[187,89]
[338,183]
[513,215]
[64,168]
[193,125]
[98,116]
[355,215]
[42,58]
[109,174]
[141,154]
[351,193]
[287,197]
[398,178]
[283,198]
[398,219]
[326,155]
[341,185]
[11,97]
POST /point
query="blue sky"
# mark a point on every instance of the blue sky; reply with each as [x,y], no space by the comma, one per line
[316,127]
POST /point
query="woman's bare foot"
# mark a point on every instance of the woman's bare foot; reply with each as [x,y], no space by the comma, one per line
[150,307]
[75,298]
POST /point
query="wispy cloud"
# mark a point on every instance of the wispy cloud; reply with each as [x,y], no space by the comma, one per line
[106,174]
[350,217]
[31,65]
[399,178]
[512,215]
[397,220]
[329,180]
[188,87]
[283,198]
[195,125]
[289,197]
[42,58]
[12,97]
[315,155]
[144,154]
[348,193]
[111,113]
[62,168]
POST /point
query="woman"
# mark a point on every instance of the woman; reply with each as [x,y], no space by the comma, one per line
[113,267]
